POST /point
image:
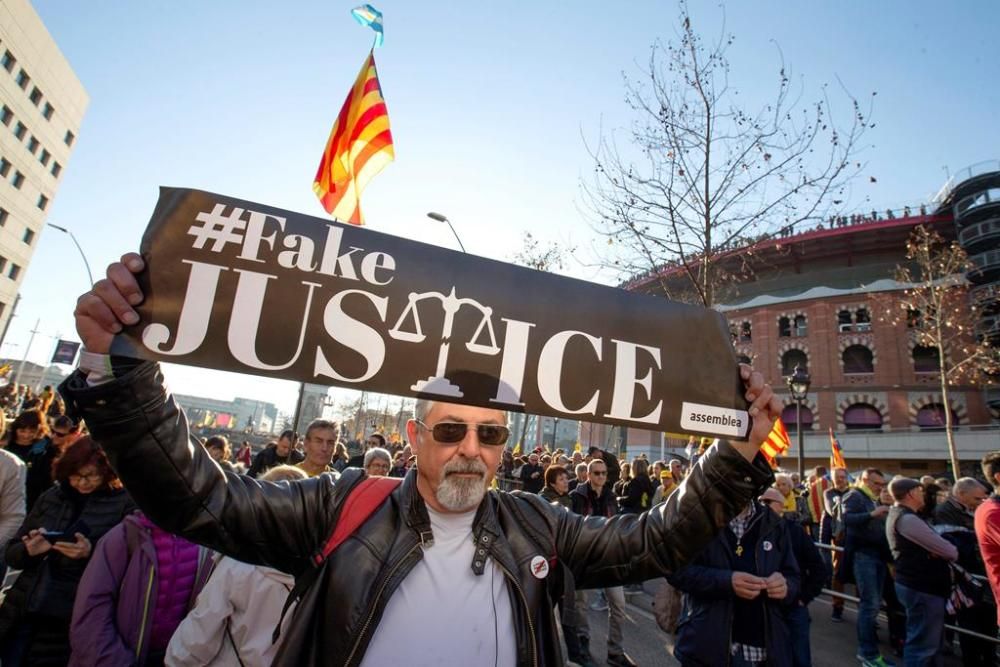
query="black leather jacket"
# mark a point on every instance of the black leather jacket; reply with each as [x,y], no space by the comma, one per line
[284,525]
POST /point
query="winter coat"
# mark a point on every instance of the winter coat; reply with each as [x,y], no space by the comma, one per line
[284,525]
[12,475]
[48,582]
[117,600]
[862,533]
[586,503]
[268,458]
[39,478]
[637,495]
[813,572]
[706,624]
[532,477]
[552,496]
[233,618]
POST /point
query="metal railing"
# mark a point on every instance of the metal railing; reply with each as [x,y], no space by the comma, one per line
[857,600]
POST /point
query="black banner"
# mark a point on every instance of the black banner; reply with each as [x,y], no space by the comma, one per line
[245,287]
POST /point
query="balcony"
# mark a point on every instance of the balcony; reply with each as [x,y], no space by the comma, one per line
[982,203]
[989,327]
[980,235]
[993,397]
[986,297]
[986,266]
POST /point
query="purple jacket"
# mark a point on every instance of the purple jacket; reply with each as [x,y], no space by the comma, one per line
[116,600]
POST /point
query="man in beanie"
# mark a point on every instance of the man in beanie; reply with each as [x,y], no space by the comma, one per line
[923,579]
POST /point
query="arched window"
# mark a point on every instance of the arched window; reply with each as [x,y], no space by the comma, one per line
[926,359]
[858,359]
[931,417]
[862,417]
[788,418]
[791,359]
[844,321]
[744,359]
[800,326]
[745,332]
[784,327]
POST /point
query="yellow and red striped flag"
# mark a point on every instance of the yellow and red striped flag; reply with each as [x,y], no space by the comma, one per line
[359,147]
[777,443]
[836,453]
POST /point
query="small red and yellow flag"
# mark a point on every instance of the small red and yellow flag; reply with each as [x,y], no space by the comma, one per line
[777,443]
[836,453]
[359,147]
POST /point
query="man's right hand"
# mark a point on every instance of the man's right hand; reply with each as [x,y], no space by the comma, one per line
[880,511]
[747,586]
[101,312]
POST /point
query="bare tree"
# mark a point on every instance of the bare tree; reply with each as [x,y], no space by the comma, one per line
[541,256]
[709,175]
[940,316]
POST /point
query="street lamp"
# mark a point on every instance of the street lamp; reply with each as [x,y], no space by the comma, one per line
[442,218]
[84,257]
[798,385]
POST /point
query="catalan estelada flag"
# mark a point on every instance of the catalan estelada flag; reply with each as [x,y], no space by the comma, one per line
[777,443]
[359,147]
[836,453]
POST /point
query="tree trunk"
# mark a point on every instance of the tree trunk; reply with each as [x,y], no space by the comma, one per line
[956,471]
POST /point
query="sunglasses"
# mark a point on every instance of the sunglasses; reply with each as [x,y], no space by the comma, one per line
[454,432]
[599,473]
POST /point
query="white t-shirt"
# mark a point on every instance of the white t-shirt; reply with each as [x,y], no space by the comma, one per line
[444,614]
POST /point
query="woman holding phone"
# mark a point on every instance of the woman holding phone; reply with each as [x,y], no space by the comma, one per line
[52,549]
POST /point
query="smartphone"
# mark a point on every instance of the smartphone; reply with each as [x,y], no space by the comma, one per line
[59,536]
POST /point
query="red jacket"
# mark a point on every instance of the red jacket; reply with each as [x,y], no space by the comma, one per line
[988,534]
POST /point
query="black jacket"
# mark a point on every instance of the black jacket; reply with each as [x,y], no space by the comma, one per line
[269,458]
[587,503]
[813,572]
[705,627]
[284,525]
[39,477]
[43,593]
[532,484]
[637,495]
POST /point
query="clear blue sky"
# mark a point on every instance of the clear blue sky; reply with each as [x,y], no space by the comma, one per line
[489,103]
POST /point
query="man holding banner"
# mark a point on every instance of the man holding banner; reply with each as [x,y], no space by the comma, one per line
[444,571]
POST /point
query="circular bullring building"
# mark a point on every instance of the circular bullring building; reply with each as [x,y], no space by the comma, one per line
[821,299]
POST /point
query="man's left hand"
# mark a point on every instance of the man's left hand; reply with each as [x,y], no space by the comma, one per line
[765,407]
[777,587]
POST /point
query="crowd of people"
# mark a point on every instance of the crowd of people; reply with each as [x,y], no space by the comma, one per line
[87,558]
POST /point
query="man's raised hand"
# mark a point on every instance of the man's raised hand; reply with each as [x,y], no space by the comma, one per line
[765,407]
[101,312]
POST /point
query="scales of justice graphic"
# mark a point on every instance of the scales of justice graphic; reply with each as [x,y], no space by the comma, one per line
[438,383]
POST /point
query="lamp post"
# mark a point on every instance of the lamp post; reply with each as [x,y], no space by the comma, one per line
[84,257]
[442,218]
[798,385]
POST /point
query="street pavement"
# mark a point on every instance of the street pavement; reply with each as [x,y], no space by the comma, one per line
[833,644]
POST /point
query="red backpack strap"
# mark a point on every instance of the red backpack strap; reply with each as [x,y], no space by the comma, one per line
[360,504]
